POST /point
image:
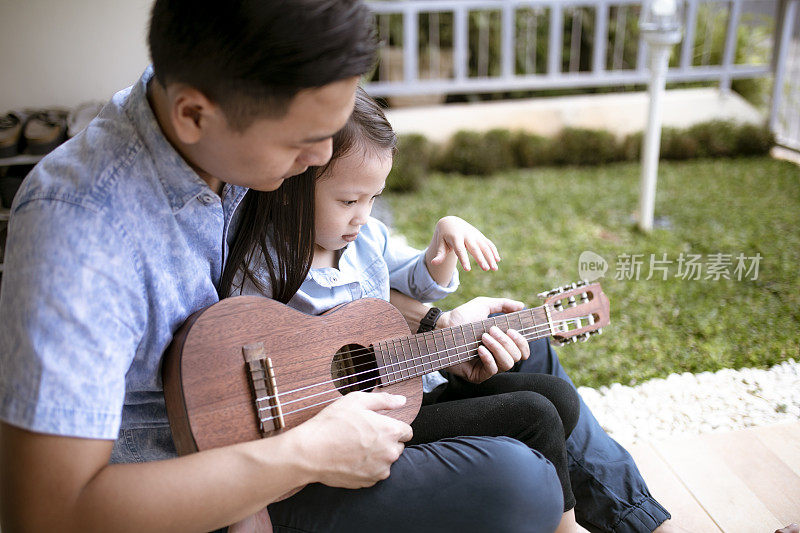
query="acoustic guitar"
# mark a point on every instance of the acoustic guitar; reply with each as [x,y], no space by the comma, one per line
[248,367]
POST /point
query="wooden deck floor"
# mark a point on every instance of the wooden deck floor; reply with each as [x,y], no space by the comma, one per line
[743,481]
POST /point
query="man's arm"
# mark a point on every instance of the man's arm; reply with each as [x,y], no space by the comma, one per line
[55,483]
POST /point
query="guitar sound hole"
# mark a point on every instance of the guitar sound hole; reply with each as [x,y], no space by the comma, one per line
[354,369]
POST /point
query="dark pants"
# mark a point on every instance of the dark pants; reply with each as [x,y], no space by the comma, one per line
[610,492]
[538,410]
[468,484]
[488,484]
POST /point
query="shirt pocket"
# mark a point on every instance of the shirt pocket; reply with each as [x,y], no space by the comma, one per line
[375,280]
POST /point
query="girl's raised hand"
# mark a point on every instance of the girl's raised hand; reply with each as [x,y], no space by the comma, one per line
[453,234]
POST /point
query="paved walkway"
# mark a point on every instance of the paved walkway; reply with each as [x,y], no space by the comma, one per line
[742,481]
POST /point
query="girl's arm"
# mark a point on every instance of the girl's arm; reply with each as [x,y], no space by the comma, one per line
[453,240]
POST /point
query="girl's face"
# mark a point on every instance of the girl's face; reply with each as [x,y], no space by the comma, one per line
[344,196]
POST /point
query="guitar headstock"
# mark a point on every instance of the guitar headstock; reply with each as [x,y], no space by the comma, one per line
[576,311]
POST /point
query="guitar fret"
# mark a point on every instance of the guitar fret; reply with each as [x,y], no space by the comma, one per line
[455,349]
[398,357]
[390,366]
[431,354]
[421,351]
[397,371]
[424,359]
[379,353]
[401,357]
[383,365]
[425,362]
[477,340]
[402,362]
[442,357]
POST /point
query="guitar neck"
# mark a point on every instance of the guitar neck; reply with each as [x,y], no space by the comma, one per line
[415,355]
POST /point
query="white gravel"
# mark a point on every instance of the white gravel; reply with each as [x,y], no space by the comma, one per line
[692,404]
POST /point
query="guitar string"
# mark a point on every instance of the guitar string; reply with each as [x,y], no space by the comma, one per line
[470,354]
[365,350]
[402,378]
[540,327]
[431,335]
[427,335]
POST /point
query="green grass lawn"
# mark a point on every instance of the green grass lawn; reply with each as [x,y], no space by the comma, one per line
[542,219]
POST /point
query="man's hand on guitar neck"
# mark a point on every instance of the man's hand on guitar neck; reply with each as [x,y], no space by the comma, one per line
[348,444]
[500,350]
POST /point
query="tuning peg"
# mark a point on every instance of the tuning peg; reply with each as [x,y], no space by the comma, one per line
[551,292]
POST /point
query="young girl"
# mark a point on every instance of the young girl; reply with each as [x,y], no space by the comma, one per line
[345,255]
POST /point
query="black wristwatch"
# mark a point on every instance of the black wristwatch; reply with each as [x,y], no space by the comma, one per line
[428,322]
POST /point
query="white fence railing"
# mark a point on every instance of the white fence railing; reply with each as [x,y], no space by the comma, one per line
[476,46]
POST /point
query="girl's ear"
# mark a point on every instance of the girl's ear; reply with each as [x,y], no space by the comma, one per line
[191,113]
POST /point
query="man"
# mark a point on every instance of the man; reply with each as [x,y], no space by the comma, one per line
[121,233]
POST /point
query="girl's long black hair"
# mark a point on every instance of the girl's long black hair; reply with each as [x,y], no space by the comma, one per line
[283,220]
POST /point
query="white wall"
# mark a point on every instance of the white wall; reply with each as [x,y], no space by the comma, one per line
[63,52]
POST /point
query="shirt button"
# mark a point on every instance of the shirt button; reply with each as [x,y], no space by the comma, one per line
[334,278]
[206,198]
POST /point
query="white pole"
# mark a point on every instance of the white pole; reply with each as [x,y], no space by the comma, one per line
[659,58]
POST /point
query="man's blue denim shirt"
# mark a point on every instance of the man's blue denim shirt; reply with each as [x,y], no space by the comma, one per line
[113,241]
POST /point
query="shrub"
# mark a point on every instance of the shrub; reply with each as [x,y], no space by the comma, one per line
[575,146]
[473,153]
[678,144]
[714,138]
[631,147]
[532,150]
[411,163]
[754,140]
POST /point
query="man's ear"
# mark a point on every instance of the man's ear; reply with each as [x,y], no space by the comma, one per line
[191,113]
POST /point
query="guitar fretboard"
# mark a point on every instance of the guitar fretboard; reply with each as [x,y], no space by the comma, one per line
[412,356]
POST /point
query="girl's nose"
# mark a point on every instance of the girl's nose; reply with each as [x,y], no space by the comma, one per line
[360,217]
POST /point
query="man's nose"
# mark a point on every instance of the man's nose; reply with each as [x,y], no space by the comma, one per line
[318,154]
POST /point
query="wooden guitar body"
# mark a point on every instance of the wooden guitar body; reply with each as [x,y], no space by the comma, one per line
[207,382]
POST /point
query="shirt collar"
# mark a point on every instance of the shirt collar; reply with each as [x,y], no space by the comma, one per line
[181,183]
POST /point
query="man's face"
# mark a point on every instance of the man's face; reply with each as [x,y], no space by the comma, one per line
[271,150]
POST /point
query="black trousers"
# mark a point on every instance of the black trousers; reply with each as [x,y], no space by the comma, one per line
[539,410]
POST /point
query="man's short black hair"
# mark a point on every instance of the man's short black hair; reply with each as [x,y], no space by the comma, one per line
[251,57]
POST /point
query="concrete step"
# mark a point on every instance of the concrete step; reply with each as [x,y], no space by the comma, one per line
[619,113]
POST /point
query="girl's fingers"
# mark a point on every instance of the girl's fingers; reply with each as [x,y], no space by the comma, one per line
[489,254]
[463,257]
[477,253]
[486,357]
[494,251]
[441,253]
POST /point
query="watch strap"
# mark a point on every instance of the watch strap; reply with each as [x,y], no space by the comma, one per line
[428,322]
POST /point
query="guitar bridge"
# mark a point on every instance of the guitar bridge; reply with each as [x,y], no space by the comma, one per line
[265,390]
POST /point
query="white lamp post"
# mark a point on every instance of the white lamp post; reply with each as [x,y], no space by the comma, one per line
[661,28]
